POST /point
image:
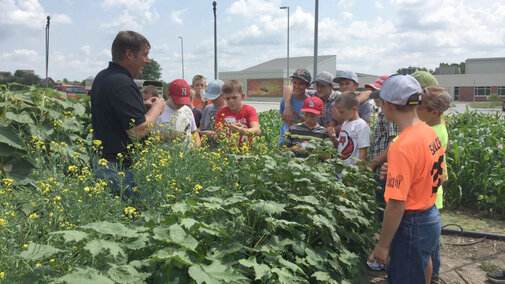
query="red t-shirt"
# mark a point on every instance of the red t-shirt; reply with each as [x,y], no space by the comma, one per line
[415,167]
[244,116]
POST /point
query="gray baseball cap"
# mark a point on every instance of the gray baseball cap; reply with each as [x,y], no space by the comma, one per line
[324,78]
[303,74]
[401,90]
[213,89]
[347,75]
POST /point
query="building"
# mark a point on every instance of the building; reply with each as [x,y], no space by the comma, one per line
[483,76]
[266,80]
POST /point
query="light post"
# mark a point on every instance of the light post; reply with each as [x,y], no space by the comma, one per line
[287,47]
[316,20]
[47,46]
[182,55]
[215,40]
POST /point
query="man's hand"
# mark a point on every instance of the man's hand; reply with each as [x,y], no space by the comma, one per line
[158,104]
[379,254]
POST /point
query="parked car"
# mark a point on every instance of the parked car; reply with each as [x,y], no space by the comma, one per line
[71,90]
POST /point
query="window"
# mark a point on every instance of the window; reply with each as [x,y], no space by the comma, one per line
[482,91]
[501,91]
[456,93]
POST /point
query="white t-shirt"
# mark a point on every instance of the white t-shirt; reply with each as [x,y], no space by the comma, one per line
[353,136]
[172,120]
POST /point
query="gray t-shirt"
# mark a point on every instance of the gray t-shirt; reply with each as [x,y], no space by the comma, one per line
[208,116]
[364,110]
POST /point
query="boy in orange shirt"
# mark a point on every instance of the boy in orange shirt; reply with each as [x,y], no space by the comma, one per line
[411,225]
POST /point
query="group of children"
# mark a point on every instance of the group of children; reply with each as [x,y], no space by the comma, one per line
[406,149]
[406,154]
[204,110]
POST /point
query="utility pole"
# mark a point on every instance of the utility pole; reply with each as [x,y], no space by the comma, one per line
[316,20]
[182,55]
[287,47]
[47,46]
[215,40]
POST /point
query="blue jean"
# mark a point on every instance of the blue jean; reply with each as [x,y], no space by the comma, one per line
[412,245]
[435,259]
[119,185]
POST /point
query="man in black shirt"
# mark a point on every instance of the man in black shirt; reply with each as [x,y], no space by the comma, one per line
[117,110]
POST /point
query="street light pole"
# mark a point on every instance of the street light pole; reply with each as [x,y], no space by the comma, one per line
[182,55]
[47,46]
[287,47]
[215,40]
[316,20]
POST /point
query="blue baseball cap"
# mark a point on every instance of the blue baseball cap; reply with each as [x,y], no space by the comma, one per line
[346,75]
[213,89]
[401,90]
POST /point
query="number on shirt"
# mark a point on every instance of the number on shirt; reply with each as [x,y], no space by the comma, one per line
[436,172]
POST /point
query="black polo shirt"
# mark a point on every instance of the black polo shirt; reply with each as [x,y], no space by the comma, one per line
[116,106]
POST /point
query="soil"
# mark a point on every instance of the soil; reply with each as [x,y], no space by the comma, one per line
[464,260]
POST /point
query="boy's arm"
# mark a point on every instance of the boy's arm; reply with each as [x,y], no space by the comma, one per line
[362,153]
[364,95]
[382,157]
[392,218]
[196,139]
[254,129]
[287,94]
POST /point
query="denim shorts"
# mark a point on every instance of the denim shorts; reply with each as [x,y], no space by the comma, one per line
[119,185]
[412,245]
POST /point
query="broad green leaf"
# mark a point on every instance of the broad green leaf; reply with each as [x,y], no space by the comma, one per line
[43,131]
[307,208]
[126,274]
[81,276]
[293,267]
[268,207]
[200,276]
[188,222]
[306,199]
[38,252]
[140,243]
[180,207]
[79,109]
[260,270]
[95,247]
[6,150]
[109,228]
[321,276]
[23,117]
[20,169]
[284,276]
[71,235]
[216,272]
[9,137]
[170,253]
[180,237]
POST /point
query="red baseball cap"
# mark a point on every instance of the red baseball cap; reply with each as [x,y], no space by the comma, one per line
[313,105]
[179,91]
[377,84]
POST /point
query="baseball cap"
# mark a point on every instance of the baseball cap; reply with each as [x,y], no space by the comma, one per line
[324,78]
[179,91]
[347,75]
[213,89]
[303,74]
[313,105]
[377,84]
[375,94]
[425,79]
[399,89]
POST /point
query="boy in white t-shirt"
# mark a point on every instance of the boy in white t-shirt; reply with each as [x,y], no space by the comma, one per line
[177,120]
[354,137]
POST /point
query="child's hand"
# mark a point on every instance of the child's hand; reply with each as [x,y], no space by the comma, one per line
[236,127]
[384,171]
[331,132]
[335,115]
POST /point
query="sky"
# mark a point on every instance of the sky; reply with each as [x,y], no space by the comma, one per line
[368,36]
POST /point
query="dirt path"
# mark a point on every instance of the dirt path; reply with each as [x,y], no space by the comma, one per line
[462,264]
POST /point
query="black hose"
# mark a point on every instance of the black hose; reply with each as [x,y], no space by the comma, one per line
[473,234]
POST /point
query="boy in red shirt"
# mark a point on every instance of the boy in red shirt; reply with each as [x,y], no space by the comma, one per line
[236,117]
[411,225]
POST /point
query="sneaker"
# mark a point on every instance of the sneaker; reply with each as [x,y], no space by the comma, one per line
[496,277]
[435,279]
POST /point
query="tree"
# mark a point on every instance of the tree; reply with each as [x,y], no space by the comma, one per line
[151,71]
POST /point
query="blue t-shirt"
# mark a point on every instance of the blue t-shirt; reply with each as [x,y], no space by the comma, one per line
[296,106]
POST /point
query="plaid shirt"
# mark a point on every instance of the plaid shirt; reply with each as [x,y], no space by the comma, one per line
[380,141]
[328,105]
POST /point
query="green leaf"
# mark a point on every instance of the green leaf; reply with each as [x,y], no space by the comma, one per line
[170,253]
[9,137]
[109,228]
[306,199]
[200,276]
[38,252]
[19,169]
[95,247]
[71,235]
[81,276]
[140,243]
[260,270]
[216,272]
[321,276]
[268,207]
[188,222]
[23,117]
[293,267]
[180,237]
[180,207]
[79,109]
[126,274]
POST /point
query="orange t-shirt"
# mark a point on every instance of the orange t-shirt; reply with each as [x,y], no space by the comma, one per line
[199,103]
[415,166]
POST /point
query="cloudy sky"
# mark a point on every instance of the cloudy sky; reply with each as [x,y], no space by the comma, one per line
[373,36]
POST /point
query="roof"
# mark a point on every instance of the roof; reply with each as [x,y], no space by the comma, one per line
[485,59]
[294,63]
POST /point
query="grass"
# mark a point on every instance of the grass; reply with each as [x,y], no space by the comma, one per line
[489,267]
[472,222]
[485,105]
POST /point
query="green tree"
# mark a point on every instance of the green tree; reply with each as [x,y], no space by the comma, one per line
[151,71]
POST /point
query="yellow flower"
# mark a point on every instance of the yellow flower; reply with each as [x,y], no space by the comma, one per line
[25,245]
[51,260]
[38,265]
[181,155]
[7,181]
[2,222]
[197,188]
[72,168]
[103,162]
[2,275]
[33,216]
[121,174]
[97,143]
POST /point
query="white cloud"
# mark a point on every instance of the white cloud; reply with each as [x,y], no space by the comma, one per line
[136,14]
[175,16]
[86,50]
[379,5]
[253,8]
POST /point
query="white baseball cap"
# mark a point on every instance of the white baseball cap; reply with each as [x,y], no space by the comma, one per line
[400,90]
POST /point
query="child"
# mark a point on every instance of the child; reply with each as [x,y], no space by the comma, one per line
[214,93]
[348,81]
[177,119]
[299,135]
[149,91]
[236,117]
[324,88]
[199,85]
[411,225]
[300,81]
[354,137]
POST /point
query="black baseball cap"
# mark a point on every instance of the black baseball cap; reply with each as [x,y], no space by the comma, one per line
[303,74]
